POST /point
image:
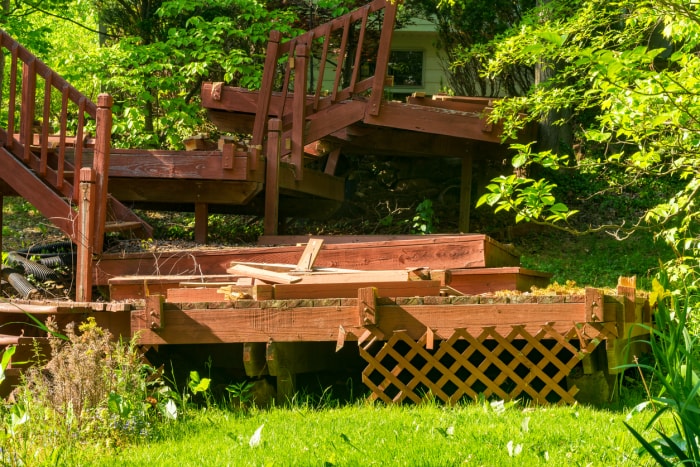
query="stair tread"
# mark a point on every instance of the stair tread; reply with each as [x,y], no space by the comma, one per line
[117,226]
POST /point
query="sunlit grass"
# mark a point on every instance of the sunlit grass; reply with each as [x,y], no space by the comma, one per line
[371,434]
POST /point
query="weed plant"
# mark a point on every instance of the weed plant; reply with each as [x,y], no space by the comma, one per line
[94,392]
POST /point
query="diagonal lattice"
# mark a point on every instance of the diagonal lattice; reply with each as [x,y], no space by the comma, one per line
[518,364]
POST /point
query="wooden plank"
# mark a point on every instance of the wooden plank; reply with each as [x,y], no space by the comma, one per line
[309,324]
[483,280]
[31,188]
[350,290]
[139,287]
[308,257]
[433,120]
[194,295]
[188,165]
[184,191]
[262,274]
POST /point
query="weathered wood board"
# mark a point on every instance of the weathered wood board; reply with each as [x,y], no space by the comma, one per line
[435,252]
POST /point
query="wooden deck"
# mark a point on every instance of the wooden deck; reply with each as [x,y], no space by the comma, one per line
[422,313]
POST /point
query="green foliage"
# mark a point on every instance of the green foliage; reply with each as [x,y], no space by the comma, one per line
[424,218]
[7,354]
[156,74]
[676,419]
[626,73]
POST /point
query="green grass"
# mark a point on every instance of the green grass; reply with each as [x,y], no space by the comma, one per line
[379,435]
[595,260]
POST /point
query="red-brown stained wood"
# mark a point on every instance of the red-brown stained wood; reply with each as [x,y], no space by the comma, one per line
[481,280]
[436,252]
[321,323]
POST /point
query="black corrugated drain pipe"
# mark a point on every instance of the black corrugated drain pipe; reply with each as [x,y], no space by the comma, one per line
[18,282]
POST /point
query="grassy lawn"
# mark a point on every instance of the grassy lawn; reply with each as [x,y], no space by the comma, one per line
[368,434]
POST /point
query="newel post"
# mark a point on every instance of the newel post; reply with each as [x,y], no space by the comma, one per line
[100,163]
[86,232]
[272,190]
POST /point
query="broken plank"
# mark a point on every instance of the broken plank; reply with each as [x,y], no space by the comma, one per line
[306,262]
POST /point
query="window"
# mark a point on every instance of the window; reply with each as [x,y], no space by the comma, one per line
[407,67]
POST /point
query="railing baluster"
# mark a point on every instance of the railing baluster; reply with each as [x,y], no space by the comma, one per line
[13,95]
[287,76]
[79,143]
[62,138]
[358,51]
[28,106]
[45,124]
[322,68]
[382,63]
[341,57]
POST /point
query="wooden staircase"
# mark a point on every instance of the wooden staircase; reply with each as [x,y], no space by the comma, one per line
[46,130]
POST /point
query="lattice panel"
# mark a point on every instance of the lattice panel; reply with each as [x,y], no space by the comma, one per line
[518,364]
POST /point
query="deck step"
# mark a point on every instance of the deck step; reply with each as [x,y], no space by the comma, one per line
[121,226]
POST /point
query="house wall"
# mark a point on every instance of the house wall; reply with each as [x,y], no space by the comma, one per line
[420,36]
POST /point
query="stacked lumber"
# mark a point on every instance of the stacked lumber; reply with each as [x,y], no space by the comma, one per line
[449,265]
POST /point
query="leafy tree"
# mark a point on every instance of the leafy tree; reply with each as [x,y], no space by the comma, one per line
[627,72]
[467,30]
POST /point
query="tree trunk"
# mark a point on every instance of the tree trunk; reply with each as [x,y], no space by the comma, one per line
[557,138]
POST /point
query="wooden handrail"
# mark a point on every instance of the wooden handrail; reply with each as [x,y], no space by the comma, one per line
[295,73]
[32,143]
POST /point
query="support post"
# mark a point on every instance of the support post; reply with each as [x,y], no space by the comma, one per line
[103,135]
[272,190]
[86,231]
[201,222]
[465,194]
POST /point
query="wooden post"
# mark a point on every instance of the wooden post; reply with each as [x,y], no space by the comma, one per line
[85,233]
[201,222]
[375,100]
[465,194]
[301,56]
[103,135]
[272,190]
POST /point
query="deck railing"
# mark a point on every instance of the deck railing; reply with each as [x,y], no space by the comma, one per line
[47,124]
[345,44]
